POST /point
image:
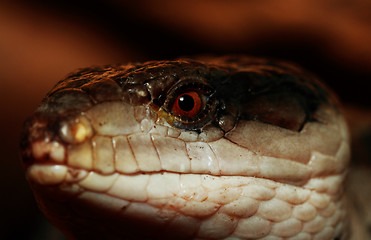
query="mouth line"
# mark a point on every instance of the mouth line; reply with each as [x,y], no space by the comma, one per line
[148,186]
[52,173]
[142,187]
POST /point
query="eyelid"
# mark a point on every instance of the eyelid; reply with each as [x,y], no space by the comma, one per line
[189,83]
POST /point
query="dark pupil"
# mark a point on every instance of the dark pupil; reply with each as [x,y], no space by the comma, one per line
[186,102]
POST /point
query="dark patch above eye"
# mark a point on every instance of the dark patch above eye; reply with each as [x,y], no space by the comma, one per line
[272,96]
[281,109]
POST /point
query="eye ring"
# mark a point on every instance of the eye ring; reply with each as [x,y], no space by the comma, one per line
[190,103]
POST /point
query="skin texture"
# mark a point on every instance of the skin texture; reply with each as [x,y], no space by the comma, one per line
[264,156]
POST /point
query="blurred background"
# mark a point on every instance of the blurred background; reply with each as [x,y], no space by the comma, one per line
[42,41]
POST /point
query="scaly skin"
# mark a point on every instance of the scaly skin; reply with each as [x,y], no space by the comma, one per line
[265,158]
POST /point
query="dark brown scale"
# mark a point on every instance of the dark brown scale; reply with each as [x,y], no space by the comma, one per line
[103,90]
[273,92]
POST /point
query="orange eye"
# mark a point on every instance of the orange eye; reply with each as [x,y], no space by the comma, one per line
[187,104]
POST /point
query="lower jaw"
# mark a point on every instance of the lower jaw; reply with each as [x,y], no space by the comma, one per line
[203,212]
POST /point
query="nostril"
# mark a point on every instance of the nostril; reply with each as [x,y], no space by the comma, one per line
[26,157]
[48,151]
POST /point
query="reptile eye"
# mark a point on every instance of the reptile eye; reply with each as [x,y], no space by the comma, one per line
[187,104]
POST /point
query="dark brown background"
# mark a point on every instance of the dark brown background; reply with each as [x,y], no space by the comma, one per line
[41,41]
